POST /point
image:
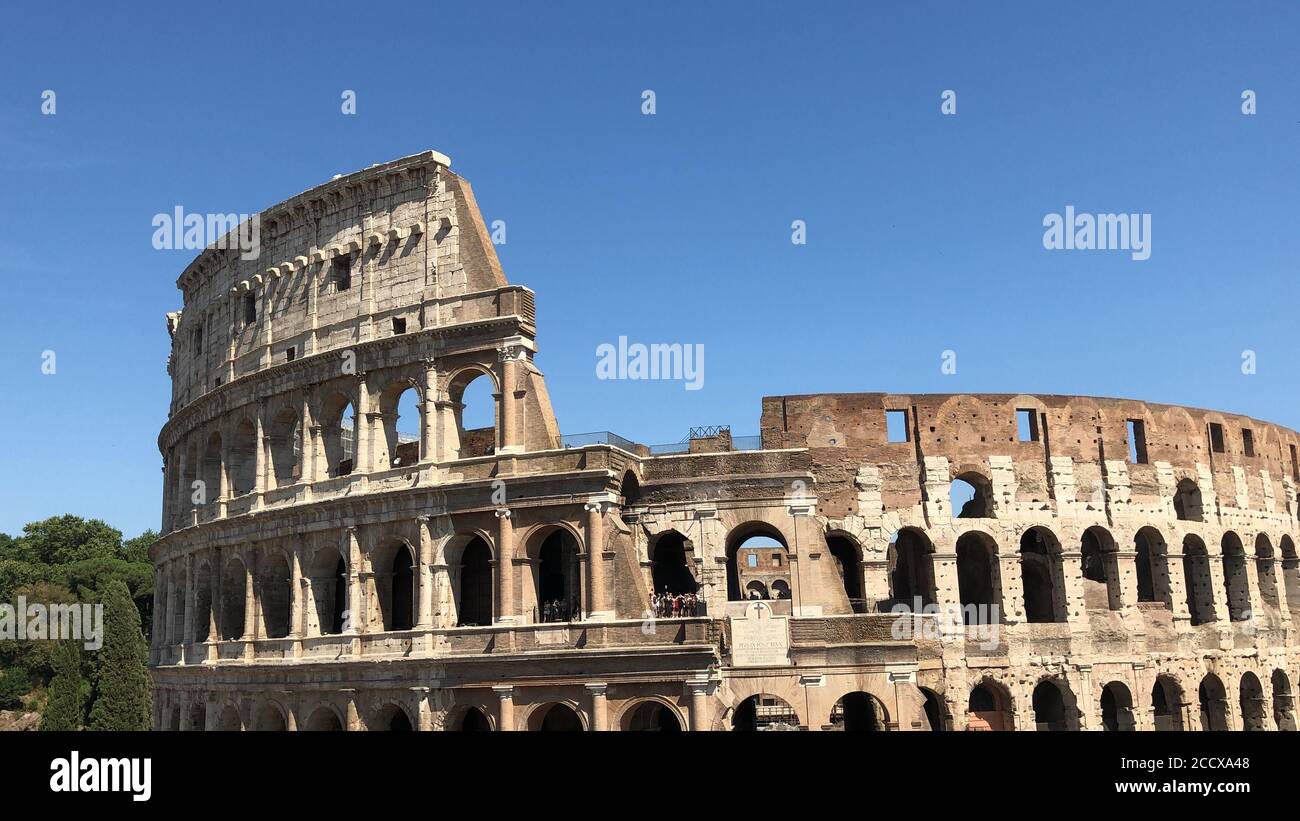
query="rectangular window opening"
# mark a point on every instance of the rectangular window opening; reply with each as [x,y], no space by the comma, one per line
[1295,464]
[399,325]
[1248,441]
[1216,437]
[290,353]
[342,272]
[250,308]
[896,425]
[1027,425]
[1137,442]
[751,560]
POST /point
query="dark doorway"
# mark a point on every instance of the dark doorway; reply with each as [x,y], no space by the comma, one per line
[475,585]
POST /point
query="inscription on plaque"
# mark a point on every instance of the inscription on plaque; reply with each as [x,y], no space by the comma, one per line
[760,639]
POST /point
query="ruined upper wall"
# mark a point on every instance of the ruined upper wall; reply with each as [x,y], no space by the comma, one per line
[845,431]
[414,244]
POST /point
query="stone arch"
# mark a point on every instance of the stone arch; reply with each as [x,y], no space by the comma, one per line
[396,578]
[203,588]
[937,714]
[651,715]
[1152,567]
[630,489]
[276,594]
[1188,506]
[847,553]
[391,717]
[338,432]
[755,589]
[324,718]
[228,718]
[1042,576]
[466,443]
[556,716]
[243,457]
[1213,701]
[234,582]
[1167,703]
[910,561]
[270,717]
[670,564]
[1290,573]
[1100,561]
[285,437]
[557,590]
[1283,702]
[1266,571]
[198,716]
[737,538]
[989,706]
[1117,708]
[176,603]
[979,580]
[329,587]
[174,718]
[859,711]
[1235,581]
[763,711]
[469,718]
[1197,578]
[1054,705]
[473,587]
[970,495]
[212,467]
[1254,713]
[401,447]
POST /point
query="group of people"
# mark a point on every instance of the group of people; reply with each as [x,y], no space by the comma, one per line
[558,610]
[667,605]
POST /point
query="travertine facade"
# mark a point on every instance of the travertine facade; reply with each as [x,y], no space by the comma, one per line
[1137,561]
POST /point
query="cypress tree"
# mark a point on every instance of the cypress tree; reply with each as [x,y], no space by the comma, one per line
[122,698]
[63,711]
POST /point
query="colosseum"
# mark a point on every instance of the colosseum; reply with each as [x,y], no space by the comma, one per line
[867,562]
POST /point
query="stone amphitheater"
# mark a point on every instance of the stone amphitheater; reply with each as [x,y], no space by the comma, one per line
[868,562]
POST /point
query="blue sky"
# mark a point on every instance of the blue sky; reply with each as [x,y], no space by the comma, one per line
[924,231]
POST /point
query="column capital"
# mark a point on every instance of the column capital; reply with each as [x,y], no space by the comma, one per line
[503,513]
[597,688]
[504,691]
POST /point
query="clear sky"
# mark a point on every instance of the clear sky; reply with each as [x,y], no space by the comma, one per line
[924,231]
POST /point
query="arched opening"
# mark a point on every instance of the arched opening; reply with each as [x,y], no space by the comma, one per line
[233,591]
[474,721]
[324,719]
[559,578]
[1042,577]
[474,596]
[329,587]
[989,708]
[971,496]
[848,563]
[277,596]
[764,713]
[1053,707]
[202,604]
[212,468]
[337,431]
[651,716]
[780,590]
[936,714]
[859,711]
[1235,580]
[198,717]
[177,601]
[1117,708]
[243,457]
[1187,501]
[1167,704]
[1152,566]
[755,552]
[1254,714]
[286,447]
[403,420]
[174,720]
[1101,588]
[910,559]
[1291,575]
[269,719]
[474,400]
[1197,578]
[397,595]
[978,581]
[757,590]
[228,719]
[555,718]
[670,571]
[1214,704]
[1283,703]
[393,718]
[630,490]
[1266,570]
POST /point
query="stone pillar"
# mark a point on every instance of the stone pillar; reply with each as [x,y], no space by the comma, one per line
[159,608]
[310,443]
[1177,583]
[260,462]
[429,415]
[506,716]
[1076,610]
[1126,568]
[352,549]
[352,722]
[186,718]
[169,618]
[210,716]
[947,591]
[699,691]
[511,398]
[290,713]
[505,567]
[599,599]
[1218,585]
[599,707]
[361,431]
[1013,587]
[425,565]
[298,604]
[187,634]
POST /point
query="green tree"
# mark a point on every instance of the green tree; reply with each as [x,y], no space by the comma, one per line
[68,538]
[137,549]
[14,684]
[63,711]
[122,682]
